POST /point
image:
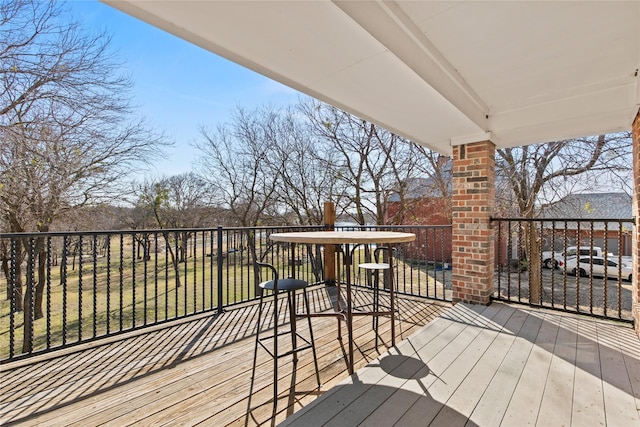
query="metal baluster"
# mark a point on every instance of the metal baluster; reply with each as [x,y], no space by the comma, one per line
[499,243]
[566,270]
[219,268]
[195,273]
[80,273]
[443,260]
[48,288]
[578,268]
[155,277]
[12,297]
[186,275]
[553,264]
[204,251]
[520,245]
[509,252]
[134,285]
[177,277]
[620,268]
[530,243]
[591,267]
[211,268]
[31,292]
[606,266]
[108,244]
[541,237]
[166,276]
[63,279]
[95,285]
[121,290]
[145,278]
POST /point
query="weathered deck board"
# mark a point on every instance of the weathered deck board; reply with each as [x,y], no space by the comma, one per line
[198,371]
[497,365]
[524,404]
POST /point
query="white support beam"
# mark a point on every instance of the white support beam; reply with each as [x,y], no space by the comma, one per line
[390,26]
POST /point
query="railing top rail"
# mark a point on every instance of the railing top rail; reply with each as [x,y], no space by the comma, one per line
[207,229]
[620,220]
[394,226]
[158,230]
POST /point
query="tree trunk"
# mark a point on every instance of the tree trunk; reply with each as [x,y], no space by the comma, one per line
[33,250]
[534,265]
[17,283]
[174,260]
[184,237]
[253,257]
[315,258]
[5,270]
[42,275]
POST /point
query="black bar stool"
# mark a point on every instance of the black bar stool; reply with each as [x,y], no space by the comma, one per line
[290,286]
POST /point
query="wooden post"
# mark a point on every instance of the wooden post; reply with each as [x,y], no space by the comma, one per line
[329,250]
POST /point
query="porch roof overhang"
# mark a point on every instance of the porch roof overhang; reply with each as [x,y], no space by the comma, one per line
[438,73]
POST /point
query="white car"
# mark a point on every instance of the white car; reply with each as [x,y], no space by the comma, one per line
[583,267]
[552,259]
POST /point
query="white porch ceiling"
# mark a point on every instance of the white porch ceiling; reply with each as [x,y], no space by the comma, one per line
[438,73]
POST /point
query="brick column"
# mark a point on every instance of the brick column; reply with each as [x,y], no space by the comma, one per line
[635,286]
[472,207]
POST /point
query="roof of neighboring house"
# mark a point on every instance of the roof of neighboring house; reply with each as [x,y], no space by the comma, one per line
[591,206]
[418,188]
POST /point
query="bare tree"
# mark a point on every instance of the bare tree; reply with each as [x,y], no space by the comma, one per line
[539,175]
[372,162]
[176,202]
[67,138]
[307,177]
[237,164]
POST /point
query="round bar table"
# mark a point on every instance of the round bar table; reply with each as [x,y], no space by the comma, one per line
[347,238]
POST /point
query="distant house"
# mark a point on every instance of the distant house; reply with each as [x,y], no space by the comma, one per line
[423,204]
[590,206]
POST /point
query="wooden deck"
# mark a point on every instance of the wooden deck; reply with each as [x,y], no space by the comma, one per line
[489,366]
[193,372]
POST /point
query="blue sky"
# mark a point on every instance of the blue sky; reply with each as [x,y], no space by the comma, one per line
[179,87]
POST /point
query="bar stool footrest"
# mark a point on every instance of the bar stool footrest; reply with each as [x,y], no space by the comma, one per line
[307,344]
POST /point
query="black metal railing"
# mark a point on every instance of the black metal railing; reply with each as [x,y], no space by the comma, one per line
[63,289]
[570,264]
[68,288]
[424,265]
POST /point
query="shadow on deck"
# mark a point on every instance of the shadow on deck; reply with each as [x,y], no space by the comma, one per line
[195,371]
[490,366]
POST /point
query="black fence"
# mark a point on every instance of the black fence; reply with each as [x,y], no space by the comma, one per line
[63,289]
[582,266]
[424,265]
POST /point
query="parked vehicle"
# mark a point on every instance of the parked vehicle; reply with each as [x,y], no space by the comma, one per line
[595,266]
[551,259]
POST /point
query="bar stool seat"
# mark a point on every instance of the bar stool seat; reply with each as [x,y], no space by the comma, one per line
[298,342]
[374,266]
[284,284]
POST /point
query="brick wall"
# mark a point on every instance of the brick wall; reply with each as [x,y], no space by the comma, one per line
[472,233]
[636,214]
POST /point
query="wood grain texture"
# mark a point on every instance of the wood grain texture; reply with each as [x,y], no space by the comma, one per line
[504,365]
[190,372]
